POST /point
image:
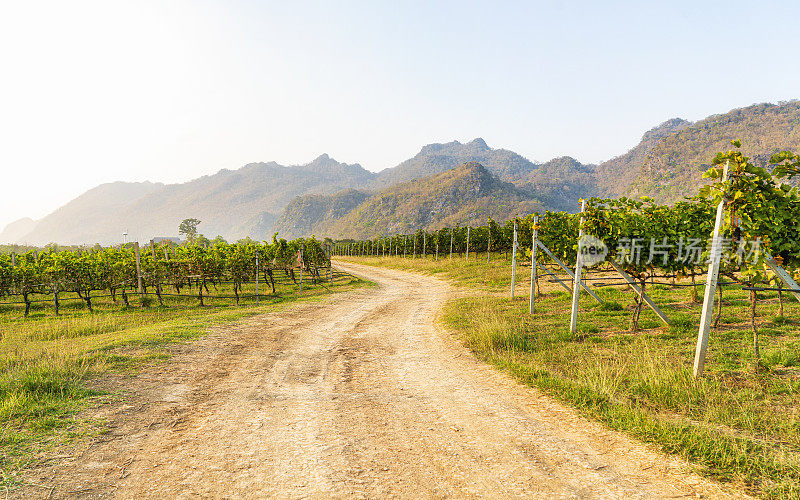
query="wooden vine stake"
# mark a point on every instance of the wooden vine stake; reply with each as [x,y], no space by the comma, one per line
[533,262]
[301,271]
[155,269]
[514,261]
[467,242]
[13,265]
[711,287]
[451,243]
[256,278]
[576,285]
[138,270]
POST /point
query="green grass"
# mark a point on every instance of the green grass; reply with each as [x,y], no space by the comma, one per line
[46,360]
[475,272]
[739,423]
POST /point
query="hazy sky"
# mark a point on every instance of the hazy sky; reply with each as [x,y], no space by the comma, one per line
[93,92]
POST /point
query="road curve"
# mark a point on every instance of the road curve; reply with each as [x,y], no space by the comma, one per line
[360,395]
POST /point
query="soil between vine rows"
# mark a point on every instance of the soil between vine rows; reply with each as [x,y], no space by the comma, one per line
[359,395]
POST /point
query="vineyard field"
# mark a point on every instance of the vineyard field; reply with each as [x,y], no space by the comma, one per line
[737,423]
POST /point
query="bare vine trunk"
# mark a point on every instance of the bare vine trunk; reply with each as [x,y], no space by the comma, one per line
[27,303]
[158,294]
[637,311]
[753,299]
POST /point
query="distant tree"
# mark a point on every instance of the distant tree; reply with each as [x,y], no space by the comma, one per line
[189,228]
[202,241]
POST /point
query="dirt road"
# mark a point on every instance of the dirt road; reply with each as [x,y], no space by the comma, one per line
[360,395]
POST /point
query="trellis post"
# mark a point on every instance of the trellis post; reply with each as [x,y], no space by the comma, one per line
[451,243]
[256,277]
[514,261]
[533,262]
[13,265]
[783,276]
[555,278]
[568,271]
[711,286]
[576,285]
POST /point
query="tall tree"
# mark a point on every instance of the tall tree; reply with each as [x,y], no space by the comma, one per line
[189,228]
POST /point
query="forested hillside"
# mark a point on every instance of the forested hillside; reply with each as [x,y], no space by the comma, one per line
[467,194]
[558,182]
[313,213]
[673,166]
[614,177]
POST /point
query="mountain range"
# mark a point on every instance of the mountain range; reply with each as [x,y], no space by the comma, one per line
[465,194]
[444,184]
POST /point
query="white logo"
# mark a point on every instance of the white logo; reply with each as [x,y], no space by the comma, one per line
[593,251]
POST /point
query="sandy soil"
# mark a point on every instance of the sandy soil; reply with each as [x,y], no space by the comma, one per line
[361,395]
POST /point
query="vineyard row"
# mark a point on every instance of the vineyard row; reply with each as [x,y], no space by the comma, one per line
[120,270]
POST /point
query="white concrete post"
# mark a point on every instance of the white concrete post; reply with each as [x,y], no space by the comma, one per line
[576,285]
[711,287]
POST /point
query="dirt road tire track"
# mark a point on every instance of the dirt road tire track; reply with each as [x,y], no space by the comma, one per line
[360,395]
